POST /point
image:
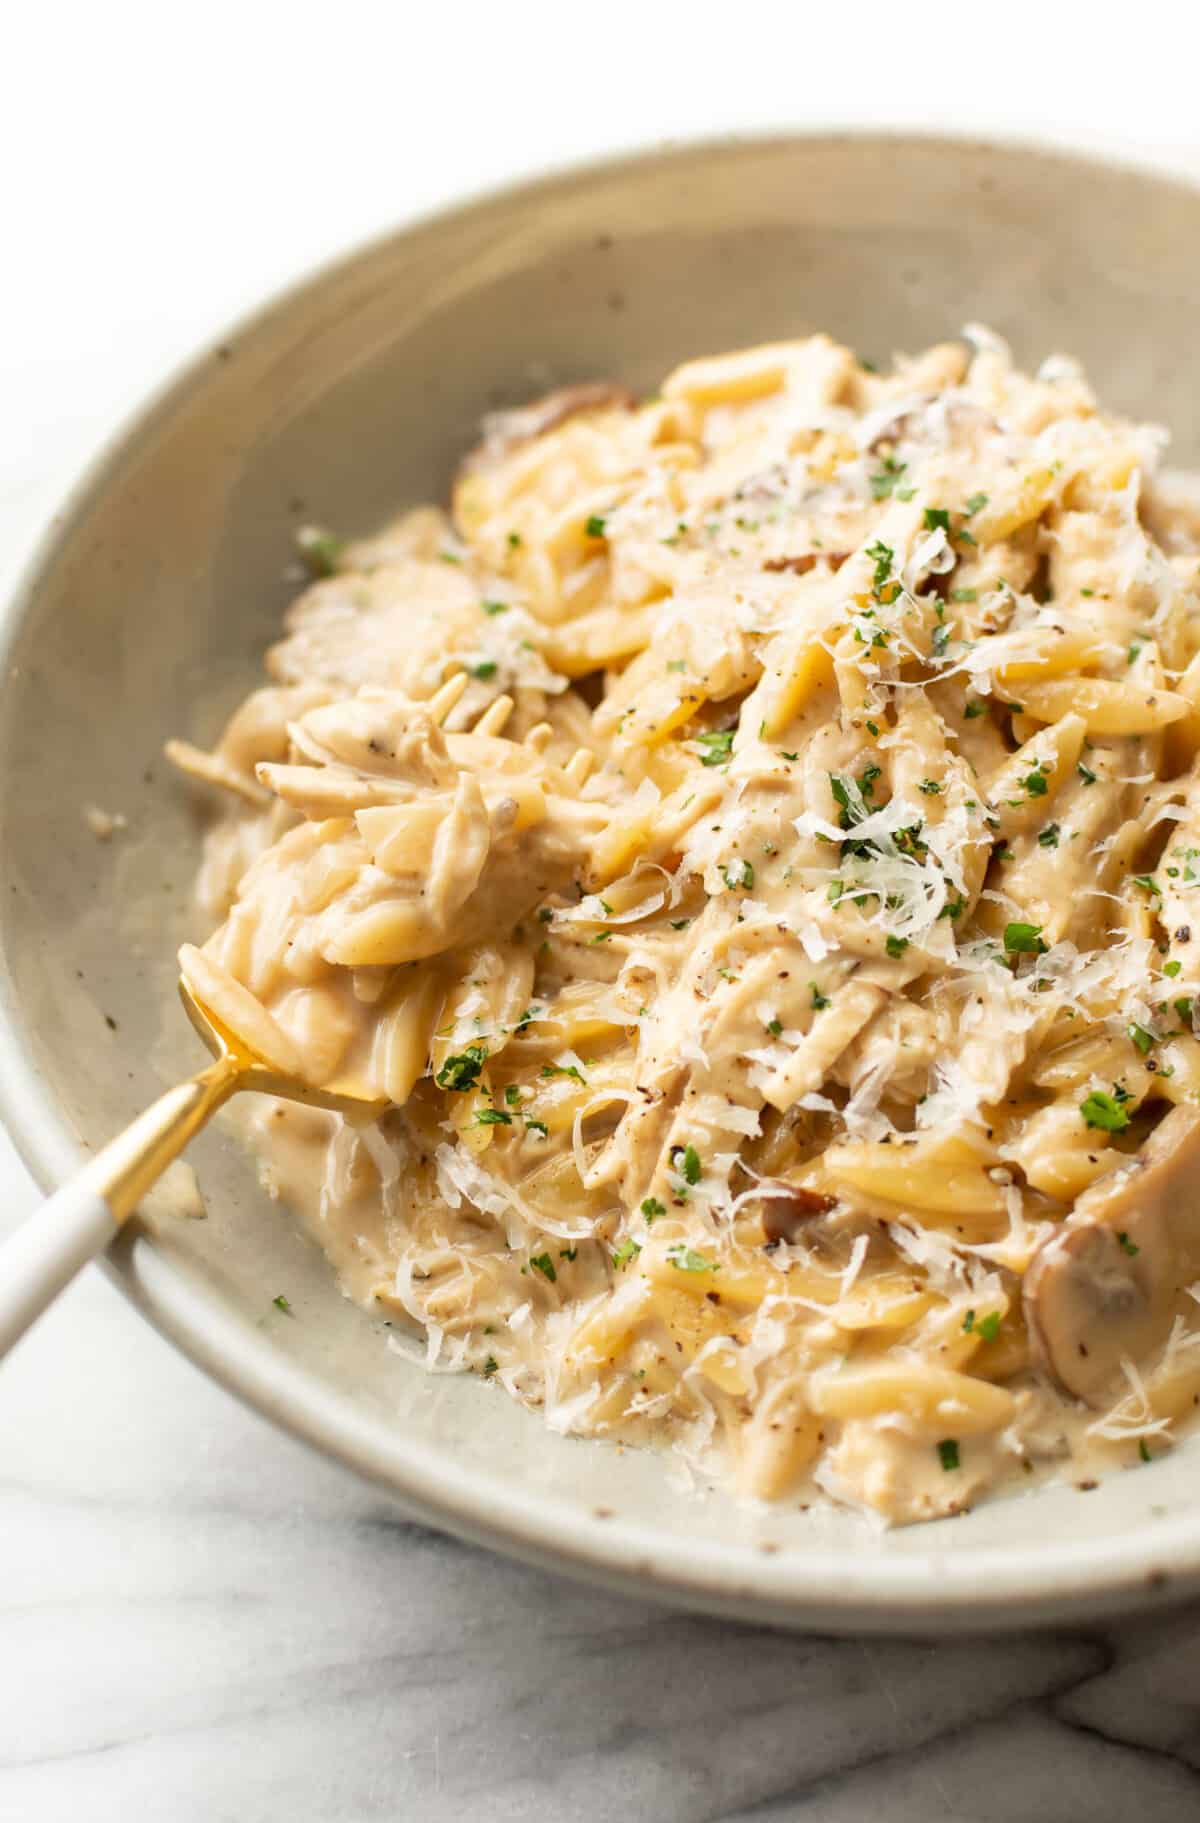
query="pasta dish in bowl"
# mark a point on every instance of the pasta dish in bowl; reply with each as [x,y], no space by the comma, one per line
[749,844]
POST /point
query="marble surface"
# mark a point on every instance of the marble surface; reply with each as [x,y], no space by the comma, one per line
[199,1621]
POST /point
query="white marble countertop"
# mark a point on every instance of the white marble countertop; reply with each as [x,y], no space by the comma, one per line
[200,1621]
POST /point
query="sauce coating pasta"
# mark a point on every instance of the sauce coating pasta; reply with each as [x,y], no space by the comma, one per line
[750,844]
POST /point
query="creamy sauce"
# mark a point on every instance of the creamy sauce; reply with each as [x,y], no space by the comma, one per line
[749,845]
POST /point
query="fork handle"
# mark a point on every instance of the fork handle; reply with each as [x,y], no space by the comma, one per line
[79,1221]
[46,1252]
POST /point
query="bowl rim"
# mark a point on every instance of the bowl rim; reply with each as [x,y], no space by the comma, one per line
[931,1592]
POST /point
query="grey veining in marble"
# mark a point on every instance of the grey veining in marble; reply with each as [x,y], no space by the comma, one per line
[202,1623]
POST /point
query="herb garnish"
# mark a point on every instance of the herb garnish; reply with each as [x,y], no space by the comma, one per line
[738,875]
[462,1070]
[321,551]
[686,1259]
[686,1161]
[1103,1111]
[718,747]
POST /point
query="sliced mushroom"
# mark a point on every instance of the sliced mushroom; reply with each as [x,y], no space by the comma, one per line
[504,431]
[1103,1288]
[788,1208]
[800,566]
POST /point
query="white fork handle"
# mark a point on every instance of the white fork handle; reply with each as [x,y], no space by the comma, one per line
[47,1251]
[81,1219]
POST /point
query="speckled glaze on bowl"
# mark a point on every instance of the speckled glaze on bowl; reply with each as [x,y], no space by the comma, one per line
[146,611]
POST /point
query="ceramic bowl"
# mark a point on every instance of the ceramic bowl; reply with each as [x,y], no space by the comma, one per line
[146,612]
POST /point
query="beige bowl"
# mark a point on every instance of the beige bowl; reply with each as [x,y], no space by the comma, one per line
[145,614]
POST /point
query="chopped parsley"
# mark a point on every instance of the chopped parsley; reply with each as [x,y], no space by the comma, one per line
[595,525]
[1127,1246]
[1148,884]
[947,1451]
[1141,1039]
[536,1126]
[937,519]
[490,1366]
[541,1262]
[1172,968]
[883,484]
[775,1026]
[738,875]
[493,1117]
[1085,773]
[564,1069]
[988,1328]
[1103,1111]
[281,1303]
[484,669]
[975,504]
[895,946]
[1048,837]
[1035,783]
[930,788]
[974,708]
[964,594]
[461,1071]
[493,608]
[628,1250]
[320,550]
[686,1161]
[1024,940]
[819,1000]
[883,557]
[686,1259]
[1144,1450]
[514,541]
[652,1207]
[717,747]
